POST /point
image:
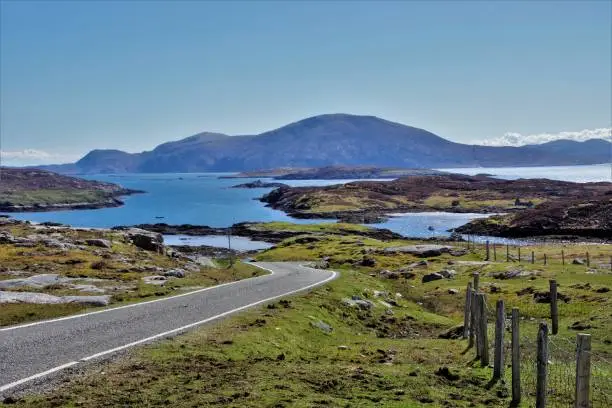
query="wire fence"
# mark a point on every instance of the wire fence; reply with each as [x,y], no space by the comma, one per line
[561,367]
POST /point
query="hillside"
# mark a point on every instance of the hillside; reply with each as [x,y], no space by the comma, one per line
[333,140]
[39,190]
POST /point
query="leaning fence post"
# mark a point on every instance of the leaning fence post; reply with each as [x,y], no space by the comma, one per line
[583,370]
[488,252]
[482,315]
[554,311]
[466,312]
[542,365]
[545,260]
[500,323]
[516,357]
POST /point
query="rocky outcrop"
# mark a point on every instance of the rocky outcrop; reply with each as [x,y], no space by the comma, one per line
[43,298]
[147,240]
[423,251]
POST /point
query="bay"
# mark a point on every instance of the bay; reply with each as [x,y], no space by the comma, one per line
[205,199]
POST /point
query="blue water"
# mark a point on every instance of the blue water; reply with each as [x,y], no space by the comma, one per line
[204,199]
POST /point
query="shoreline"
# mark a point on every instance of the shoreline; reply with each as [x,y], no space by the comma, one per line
[112,202]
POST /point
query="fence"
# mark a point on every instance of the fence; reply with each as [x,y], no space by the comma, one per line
[545,370]
[537,252]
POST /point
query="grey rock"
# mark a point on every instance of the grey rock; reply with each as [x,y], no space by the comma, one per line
[386,274]
[176,273]
[149,241]
[448,273]
[43,298]
[364,304]
[102,243]
[579,261]
[432,277]
[453,291]
[324,327]
[88,300]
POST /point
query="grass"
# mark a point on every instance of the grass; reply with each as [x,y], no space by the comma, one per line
[275,356]
[52,197]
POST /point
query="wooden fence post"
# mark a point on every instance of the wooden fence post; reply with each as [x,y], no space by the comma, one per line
[500,325]
[507,253]
[467,310]
[554,311]
[542,365]
[562,257]
[495,252]
[516,357]
[532,257]
[519,254]
[476,276]
[473,326]
[545,260]
[488,252]
[583,371]
[588,259]
[482,315]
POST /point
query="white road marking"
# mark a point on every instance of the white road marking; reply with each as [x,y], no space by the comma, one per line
[112,309]
[6,387]
[36,376]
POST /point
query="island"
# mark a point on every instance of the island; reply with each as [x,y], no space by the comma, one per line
[336,173]
[531,206]
[33,190]
[260,184]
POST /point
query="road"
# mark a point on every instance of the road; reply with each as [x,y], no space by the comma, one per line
[31,352]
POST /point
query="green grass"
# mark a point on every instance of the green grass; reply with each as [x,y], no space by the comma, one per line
[52,197]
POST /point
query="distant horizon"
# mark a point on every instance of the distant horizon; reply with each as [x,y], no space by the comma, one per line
[33,157]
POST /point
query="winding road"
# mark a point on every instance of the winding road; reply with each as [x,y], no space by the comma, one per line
[31,352]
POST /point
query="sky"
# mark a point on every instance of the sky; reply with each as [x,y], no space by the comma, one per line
[75,76]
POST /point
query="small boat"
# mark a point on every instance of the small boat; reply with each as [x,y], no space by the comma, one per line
[430,228]
[159,217]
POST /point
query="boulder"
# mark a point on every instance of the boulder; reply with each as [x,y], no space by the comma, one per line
[453,291]
[432,277]
[448,273]
[176,273]
[579,261]
[458,252]
[88,300]
[324,327]
[102,243]
[149,241]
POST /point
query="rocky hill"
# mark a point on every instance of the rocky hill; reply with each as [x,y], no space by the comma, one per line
[333,140]
[40,190]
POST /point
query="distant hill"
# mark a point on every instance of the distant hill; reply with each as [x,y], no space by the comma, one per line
[333,140]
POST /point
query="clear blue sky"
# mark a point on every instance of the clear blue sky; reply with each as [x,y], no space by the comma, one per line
[130,75]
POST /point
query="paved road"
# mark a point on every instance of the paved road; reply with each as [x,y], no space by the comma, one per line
[33,351]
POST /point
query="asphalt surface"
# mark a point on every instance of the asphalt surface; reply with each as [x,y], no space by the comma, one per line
[43,348]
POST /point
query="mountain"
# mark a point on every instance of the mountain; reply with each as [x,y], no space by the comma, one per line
[332,140]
